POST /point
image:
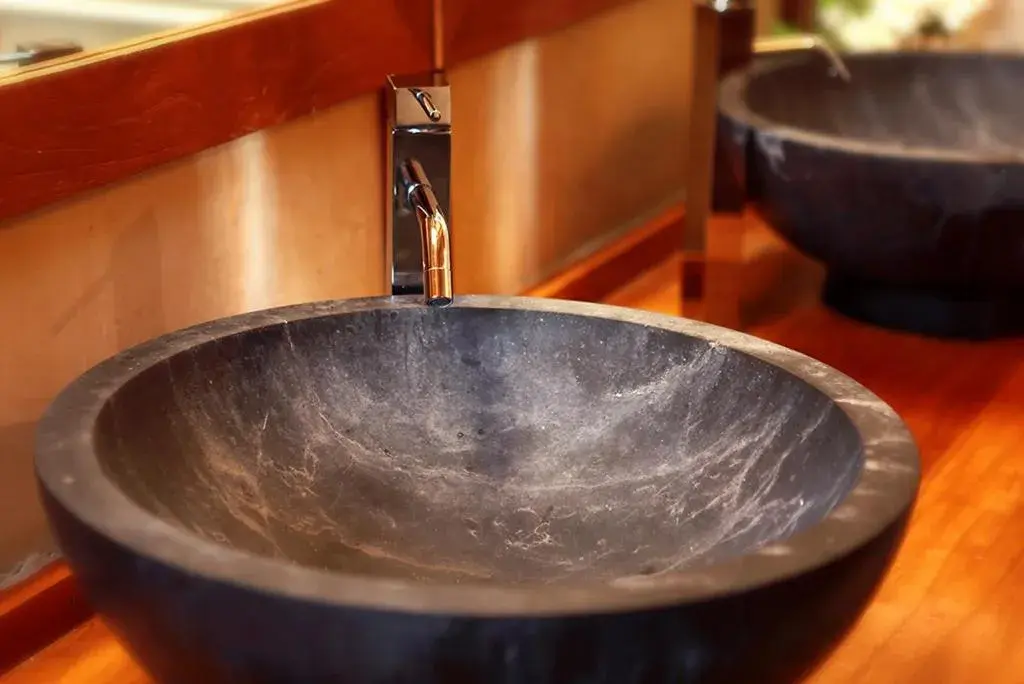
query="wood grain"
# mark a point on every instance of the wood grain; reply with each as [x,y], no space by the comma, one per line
[94,119]
[952,608]
[472,28]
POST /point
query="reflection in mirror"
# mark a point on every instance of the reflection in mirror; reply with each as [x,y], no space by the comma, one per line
[33,31]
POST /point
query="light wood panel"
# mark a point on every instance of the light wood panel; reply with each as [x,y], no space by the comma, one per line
[562,142]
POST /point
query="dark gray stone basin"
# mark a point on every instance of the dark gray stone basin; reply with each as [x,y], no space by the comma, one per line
[507,490]
[907,182]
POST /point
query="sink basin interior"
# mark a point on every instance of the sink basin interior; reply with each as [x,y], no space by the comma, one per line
[477,445]
[951,102]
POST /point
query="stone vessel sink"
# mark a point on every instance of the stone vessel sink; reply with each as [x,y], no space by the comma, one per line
[907,182]
[506,490]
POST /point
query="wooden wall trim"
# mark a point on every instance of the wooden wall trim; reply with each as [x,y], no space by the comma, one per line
[92,120]
[476,27]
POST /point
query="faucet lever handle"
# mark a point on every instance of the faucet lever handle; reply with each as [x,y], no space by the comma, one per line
[423,97]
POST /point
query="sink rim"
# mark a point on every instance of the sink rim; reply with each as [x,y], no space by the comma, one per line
[68,469]
[732,104]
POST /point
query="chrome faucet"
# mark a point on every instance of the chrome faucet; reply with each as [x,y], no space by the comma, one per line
[418,242]
[724,40]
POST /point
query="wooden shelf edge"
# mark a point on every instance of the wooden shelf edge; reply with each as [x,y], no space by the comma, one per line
[38,612]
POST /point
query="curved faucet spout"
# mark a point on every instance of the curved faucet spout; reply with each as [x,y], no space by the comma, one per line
[800,43]
[434,238]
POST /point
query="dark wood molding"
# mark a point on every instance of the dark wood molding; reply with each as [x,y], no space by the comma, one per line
[476,27]
[37,612]
[97,118]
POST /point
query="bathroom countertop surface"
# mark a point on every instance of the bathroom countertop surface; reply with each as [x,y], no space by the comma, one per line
[952,607]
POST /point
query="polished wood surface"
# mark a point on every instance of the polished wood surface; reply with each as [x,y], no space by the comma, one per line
[547,131]
[952,608]
[89,120]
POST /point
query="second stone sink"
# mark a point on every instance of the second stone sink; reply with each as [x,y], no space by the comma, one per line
[907,182]
[506,490]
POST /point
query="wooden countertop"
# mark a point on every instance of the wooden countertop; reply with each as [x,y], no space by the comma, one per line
[952,607]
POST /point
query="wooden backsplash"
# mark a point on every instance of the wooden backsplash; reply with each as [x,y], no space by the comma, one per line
[559,142]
